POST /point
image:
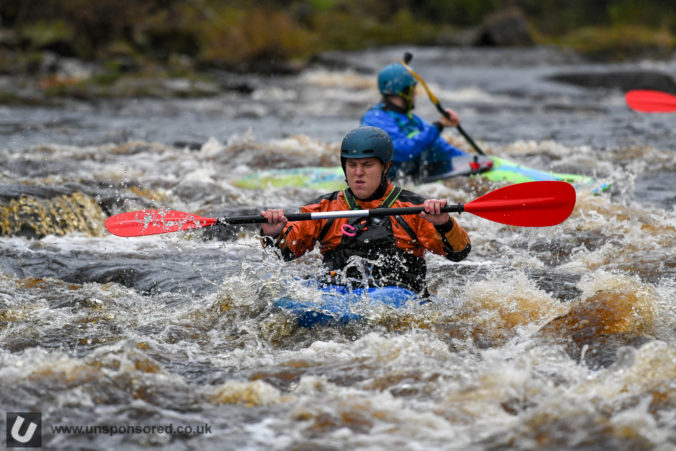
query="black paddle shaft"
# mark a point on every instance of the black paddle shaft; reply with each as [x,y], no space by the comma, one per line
[374,212]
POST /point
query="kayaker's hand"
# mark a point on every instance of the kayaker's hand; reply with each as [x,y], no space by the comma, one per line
[433,213]
[276,222]
[452,121]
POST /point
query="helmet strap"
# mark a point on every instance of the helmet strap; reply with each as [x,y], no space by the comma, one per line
[408,99]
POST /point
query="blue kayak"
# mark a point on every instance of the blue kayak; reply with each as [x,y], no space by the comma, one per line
[337,304]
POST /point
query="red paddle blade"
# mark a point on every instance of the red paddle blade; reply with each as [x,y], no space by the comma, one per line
[530,204]
[648,101]
[152,222]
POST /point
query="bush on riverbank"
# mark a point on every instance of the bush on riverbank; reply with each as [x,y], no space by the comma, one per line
[619,42]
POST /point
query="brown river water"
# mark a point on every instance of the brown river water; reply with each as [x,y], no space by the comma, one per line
[543,338]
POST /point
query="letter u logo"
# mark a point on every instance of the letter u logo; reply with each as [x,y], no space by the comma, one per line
[24,429]
[26,436]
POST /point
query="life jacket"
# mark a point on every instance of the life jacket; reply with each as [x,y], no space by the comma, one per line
[410,126]
[368,255]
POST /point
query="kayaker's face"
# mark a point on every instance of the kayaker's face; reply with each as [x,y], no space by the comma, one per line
[363,175]
[405,101]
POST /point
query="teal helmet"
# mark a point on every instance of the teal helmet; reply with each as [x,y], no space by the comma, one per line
[366,142]
[396,80]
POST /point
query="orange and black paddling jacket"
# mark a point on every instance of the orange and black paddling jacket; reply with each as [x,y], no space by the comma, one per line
[372,251]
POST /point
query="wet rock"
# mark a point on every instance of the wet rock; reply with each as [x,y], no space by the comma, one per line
[107,197]
[33,217]
[505,28]
[623,80]
[595,329]
[15,191]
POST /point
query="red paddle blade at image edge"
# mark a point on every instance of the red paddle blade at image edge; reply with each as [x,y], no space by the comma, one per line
[152,222]
[647,101]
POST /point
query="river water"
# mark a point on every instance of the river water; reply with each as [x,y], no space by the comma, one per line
[547,338]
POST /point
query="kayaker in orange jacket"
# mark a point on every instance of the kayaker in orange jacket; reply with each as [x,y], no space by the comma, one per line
[373,251]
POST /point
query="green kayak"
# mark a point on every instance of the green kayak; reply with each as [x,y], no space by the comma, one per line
[489,167]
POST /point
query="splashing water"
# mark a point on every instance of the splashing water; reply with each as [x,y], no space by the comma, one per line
[553,338]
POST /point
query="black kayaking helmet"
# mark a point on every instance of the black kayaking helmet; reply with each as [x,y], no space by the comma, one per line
[367,142]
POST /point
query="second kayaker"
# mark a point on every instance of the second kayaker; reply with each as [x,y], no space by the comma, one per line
[419,148]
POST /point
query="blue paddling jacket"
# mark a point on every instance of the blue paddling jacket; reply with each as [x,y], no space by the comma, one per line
[411,136]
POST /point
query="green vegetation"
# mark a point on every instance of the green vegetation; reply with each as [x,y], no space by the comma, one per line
[619,42]
[606,30]
[179,38]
